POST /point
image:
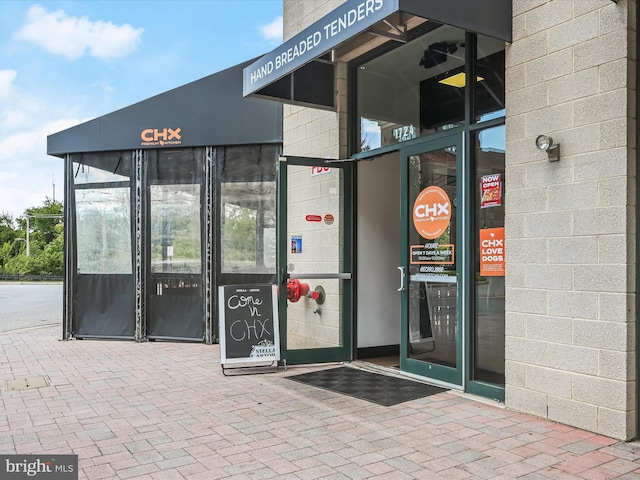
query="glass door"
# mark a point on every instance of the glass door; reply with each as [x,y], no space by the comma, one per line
[432,260]
[314,260]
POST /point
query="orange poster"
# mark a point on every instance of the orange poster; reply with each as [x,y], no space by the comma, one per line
[432,212]
[492,252]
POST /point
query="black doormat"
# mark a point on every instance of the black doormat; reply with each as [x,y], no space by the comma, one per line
[372,387]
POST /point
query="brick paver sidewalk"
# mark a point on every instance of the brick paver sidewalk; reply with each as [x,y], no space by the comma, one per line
[165,411]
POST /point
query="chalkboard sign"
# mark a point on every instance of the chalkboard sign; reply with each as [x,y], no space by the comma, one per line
[248,324]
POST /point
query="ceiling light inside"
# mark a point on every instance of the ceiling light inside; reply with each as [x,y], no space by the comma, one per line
[458,80]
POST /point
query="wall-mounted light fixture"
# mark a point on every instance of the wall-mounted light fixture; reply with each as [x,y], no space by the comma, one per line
[545,143]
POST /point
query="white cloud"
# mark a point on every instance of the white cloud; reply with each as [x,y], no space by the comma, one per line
[369,126]
[72,37]
[31,143]
[27,173]
[6,176]
[6,83]
[272,32]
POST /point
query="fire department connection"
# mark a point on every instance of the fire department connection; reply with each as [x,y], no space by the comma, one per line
[297,289]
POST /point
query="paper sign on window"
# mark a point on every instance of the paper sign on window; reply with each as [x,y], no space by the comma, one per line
[491,191]
[492,261]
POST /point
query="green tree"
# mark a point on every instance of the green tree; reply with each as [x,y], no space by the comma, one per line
[42,221]
[45,241]
[51,259]
[7,228]
[8,236]
[239,234]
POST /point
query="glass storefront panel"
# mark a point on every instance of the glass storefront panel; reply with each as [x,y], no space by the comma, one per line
[419,88]
[175,229]
[102,196]
[174,256]
[101,265]
[248,227]
[490,88]
[399,94]
[433,281]
[248,209]
[103,226]
[102,167]
[489,320]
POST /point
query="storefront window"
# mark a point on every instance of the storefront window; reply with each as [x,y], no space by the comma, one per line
[248,227]
[248,209]
[102,167]
[489,92]
[419,88]
[103,226]
[103,212]
[175,207]
[489,320]
[175,229]
[398,94]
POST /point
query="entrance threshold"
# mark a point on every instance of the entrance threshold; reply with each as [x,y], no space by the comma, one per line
[389,361]
[375,368]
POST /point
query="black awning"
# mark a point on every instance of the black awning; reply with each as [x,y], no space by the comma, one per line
[210,111]
[300,71]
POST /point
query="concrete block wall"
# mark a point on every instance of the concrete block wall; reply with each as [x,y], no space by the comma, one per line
[570,225]
[311,132]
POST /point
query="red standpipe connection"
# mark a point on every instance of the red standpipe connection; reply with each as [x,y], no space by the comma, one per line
[297,289]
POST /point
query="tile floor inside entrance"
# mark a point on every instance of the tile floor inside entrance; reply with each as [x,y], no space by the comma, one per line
[161,410]
[391,361]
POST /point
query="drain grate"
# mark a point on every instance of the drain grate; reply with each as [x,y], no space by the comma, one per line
[26,383]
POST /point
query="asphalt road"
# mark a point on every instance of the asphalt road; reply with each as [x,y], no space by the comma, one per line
[30,305]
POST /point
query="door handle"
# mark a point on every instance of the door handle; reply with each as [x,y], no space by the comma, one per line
[401,279]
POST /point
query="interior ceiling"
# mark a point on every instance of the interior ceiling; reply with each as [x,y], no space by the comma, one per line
[368,40]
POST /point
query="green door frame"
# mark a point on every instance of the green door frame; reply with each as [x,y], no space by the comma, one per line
[466,204]
[316,355]
[463,138]
[448,375]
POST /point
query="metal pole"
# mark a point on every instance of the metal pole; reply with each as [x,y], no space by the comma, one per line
[43,215]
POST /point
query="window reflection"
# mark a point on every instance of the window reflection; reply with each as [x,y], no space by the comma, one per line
[248,209]
[419,88]
[248,227]
[489,319]
[102,167]
[103,227]
[175,229]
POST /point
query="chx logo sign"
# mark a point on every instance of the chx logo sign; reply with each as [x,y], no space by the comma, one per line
[432,212]
[50,467]
[161,136]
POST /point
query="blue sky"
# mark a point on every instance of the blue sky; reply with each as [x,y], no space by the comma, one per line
[65,62]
